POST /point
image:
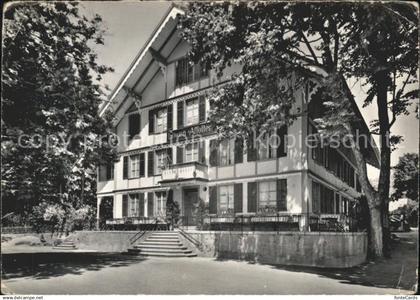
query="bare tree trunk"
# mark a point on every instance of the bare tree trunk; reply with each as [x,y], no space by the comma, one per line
[372,197]
[385,170]
[376,235]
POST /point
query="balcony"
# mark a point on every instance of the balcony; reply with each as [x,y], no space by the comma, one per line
[185,171]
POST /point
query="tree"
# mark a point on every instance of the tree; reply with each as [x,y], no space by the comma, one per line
[51,129]
[282,45]
[406,177]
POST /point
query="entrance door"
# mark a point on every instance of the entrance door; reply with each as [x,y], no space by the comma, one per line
[190,206]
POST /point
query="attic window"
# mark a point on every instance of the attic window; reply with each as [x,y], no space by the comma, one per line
[187,72]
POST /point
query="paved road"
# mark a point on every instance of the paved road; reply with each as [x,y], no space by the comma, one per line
[177,276]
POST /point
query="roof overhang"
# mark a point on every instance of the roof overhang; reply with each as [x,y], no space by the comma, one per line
[141,69]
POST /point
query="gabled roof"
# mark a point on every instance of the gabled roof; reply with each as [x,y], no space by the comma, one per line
[171,14]
[150,53]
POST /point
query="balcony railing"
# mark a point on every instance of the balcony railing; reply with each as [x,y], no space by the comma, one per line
[189,170]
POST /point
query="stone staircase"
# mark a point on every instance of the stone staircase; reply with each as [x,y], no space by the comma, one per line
[162,244]
[66,245]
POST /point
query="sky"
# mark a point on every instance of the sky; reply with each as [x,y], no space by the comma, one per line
[129,25]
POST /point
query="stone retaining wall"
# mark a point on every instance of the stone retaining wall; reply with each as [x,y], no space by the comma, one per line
[318,249]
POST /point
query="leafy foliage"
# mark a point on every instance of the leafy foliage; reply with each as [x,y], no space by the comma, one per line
[51,95]
[406,177]
[279,46]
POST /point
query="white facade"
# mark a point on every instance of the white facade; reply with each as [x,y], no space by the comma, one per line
[195,176]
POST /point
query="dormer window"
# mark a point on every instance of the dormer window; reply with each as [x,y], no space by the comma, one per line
[187,72]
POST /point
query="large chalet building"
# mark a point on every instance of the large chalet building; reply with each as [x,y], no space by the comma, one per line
[167,151]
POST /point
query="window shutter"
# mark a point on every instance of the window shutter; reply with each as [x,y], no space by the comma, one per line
[169,156]
[179,155]
[125,206]
[213,199]
[150,204]
[202,109]
[282,194]
[202,152]
[150,163]
[282,148]
[141,204]
[151,121]
[180,114]
[252,197]
[213,152]
[169,117]
[315,197]
[142,164]
[239,150]
[133,125]
[125,167]
[237,194]
[251,151]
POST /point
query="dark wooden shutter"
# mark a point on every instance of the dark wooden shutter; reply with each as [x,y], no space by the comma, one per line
[213,152]
[252,197]
[213,199]
[237,195]
[180,114]
[239,150]
[133,125]
[125,167]
[202,152]
[169,117]
[151,121]
[141,204]
[169,156]
[150,204]
[125,206]
[179,154]
[282,194]
[150,163]
[251,151]
[142,164]
[316,195]
[202,109]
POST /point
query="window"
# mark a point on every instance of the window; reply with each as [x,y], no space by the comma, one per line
[160,203]
[187,72]
[337,203]
[134,205]
[344,205]
[191,152]
[161,161]
[225,198]
[133,125]
[327,200]
[334,161]
[266,147]
[134,166]
[192,112]
[161,120]
[322,199]
[106,172]
[227,150]
[267,194]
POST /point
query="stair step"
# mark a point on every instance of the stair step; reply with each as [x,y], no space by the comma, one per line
[64,247]
[179,251]
[142,246]
[163,236]
[165,254]
[160,243]
[163,240]
[171,242]
[170,237]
